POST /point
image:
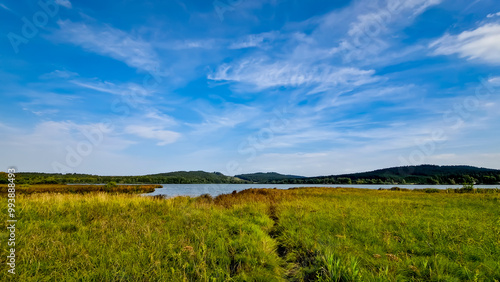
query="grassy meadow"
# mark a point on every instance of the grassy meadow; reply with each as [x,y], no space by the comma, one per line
[80,189]
[306,234]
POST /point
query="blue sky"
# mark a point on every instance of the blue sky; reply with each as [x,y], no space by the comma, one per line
[298,87]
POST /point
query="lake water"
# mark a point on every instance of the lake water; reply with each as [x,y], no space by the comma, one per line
[194,190]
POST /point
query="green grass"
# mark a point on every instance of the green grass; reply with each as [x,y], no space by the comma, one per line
[80,189]
[362,235]
[309,234]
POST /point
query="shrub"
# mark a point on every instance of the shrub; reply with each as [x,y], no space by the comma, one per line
[467,188]
[110,185]
[431,190]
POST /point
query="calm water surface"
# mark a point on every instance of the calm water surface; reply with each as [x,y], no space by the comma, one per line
[194,190]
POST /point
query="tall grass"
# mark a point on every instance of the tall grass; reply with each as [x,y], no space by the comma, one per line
[310,234]
[80,189]
[382,235]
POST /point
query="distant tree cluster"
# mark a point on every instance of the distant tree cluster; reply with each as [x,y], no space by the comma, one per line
[423,174]
[435,180]
[182,177]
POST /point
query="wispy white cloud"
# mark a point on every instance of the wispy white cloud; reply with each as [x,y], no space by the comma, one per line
[373,30]
[226,116]
[482,44]
[479,160]
[327,162]
[377,20]
[262,74]
[494,80]
[48,98]
[109,41]
[48,142]
[310,60]
[247,41]
[64,3]
[493,15]
[391,94]
[134,103]
[187,44]
[59,74]
[122,89]
[380,146]
[162,118]
[43,112]
[5,7]
[253,40]
[150,132]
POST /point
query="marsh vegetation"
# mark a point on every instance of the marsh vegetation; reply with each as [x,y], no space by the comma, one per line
[306,234]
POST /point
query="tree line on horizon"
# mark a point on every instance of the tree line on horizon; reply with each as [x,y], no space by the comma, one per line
[424,174]
[181,177]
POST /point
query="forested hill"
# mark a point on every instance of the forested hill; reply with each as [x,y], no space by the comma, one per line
[266,177]
[178,177]
[422,174]
[194,177]
[423,170]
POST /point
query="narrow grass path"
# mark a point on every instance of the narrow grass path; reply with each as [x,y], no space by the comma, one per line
[365,235]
